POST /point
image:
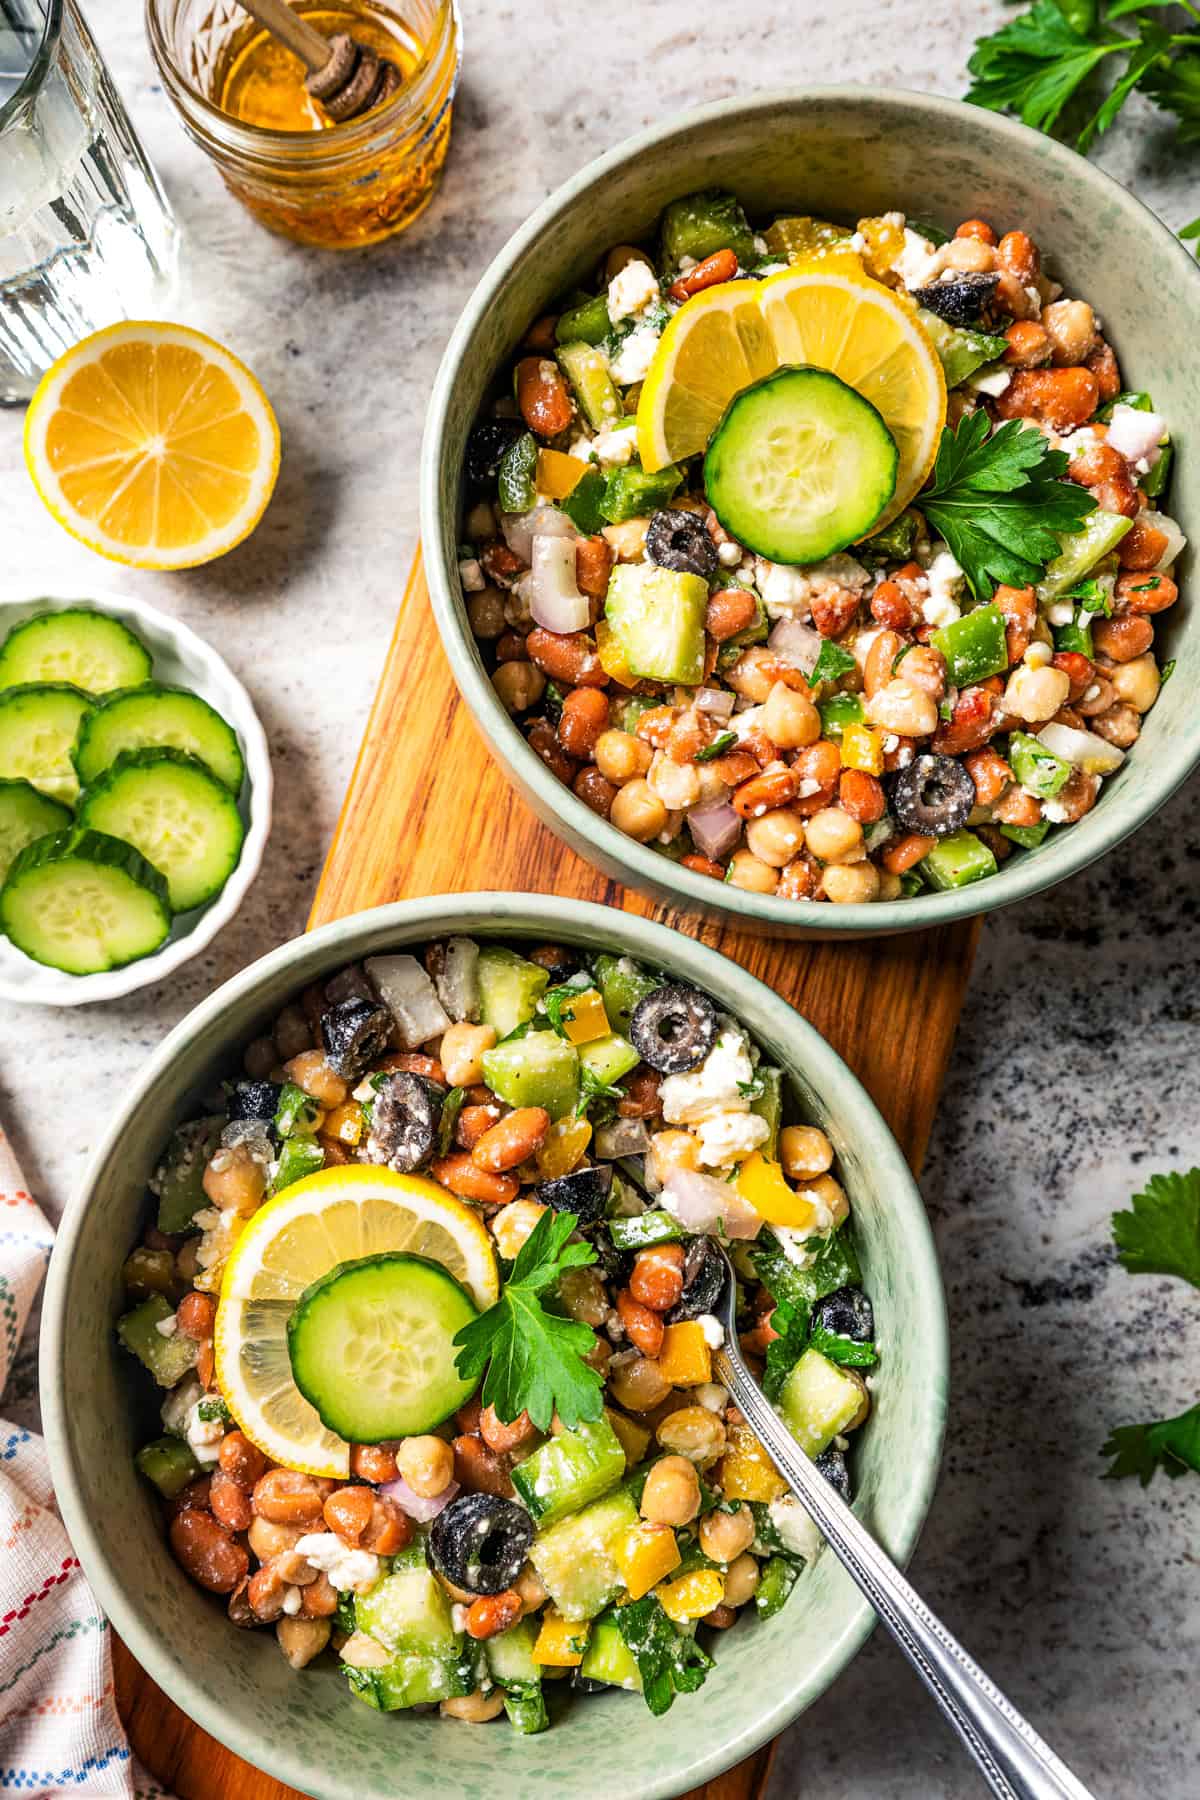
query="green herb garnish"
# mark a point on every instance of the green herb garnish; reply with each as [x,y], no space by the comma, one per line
[725,740]
[669,1662]
[832,663]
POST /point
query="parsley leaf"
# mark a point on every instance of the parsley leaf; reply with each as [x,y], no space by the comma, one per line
[1034,64]
[669,1662]
[790,1319]
[1175,87]
[832,662]
[592,1088]
[1093,597]
[1161,1236]
[1172,1445]
[534,1358]
[849,1352]
[999,503]
[723,741]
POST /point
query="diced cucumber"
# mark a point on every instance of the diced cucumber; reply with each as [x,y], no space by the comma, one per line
[769,1106]
[515,478]
[1036,767]
[525,1705]
[510,1656]
[539,1069]
[170,806]
[818,1400]
[957,860]
[89,649]
[167,1358]
[623,982]
[960,352]
[973,646]
[408,1612]
[179,1179]
[82,902]
[411,1681]
[776,1583]
[586,323]
[609,1658]
[341,1338]
[839,711]
[1081,551]
[298,1156]
[582,504]
[701,223]
[1028,836]
[570,1470]
[25,816]
[509,988]
[657,616]
[156,717]
[587,371]
[608,1058]
[800,466]
[38,728]
[644,1229]
[576,1559]
[168,1464]
[630,493]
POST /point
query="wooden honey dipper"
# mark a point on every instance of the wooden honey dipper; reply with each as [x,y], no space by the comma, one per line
[346,78]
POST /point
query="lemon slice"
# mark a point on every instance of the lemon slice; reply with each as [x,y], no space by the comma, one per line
[826,313]
[153,445]
[335,1216]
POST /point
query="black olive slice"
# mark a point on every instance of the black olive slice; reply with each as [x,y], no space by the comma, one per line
[486,444]
[832,1465]
[674,1028]
[355,1034]
[480,1542]
[254,1100]
[583,1192]
[848,1312]
[933,796]
[404,1120]
[703,1280]
[960,299]
[678,540]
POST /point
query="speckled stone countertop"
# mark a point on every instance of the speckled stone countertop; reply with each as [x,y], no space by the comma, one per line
[1076,1070]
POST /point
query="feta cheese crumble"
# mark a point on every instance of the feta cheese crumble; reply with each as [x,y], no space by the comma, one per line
[726,1137]
[634,355]
[616,447]
[796,1530]
[945,577]
[631,290]
[204,1435]
[471,575]
[714,1331]
[714,1087]
[345,1567]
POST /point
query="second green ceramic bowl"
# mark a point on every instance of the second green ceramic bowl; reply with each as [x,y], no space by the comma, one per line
[306,1729]
[843,153]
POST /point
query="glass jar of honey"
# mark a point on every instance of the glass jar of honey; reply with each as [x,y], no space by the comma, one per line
[242,98]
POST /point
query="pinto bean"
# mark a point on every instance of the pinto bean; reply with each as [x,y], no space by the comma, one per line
[861,795]
[479,1470]
[656,1280]
[832,610]
[892,607]
[206,1553]
[1146,592]
[1123,638]
[566,656]
[1118,495]
[1060,398]
[1078,670]
[1028,345]
[595,792]
[990,773]
[543,738]
[1096,463]
[374,1462]
[593,566]
[729,611]
[348,1513]
[642,1327]
[970,725]
[901,853]
[1142,547]
[388,1529]
[241,1459]
[512,1141]
[501,1437]
[543,396]
[1019,255]
[1103,365]
[763,793]
[1019,606]
[196,1315]
[229,1502]
[1120,725]
[1016,807]
[286,1497]
[584,717]
[720,266]
[701,865]
[465,1178]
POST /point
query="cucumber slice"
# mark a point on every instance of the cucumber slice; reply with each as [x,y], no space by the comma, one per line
[800,466]
[411,1681]
[371,1347]
[26,815]
[171,808]
[576,1558]
[539,1069]
[570,1470]
[38,727]
[87,648]
[657,616]
[154,717]
[82,902]
[409,1614]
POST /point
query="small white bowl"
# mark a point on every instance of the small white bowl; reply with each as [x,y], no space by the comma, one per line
[183,660]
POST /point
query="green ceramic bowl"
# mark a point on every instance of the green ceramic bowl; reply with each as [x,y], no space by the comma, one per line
[842,152]
[306,1729]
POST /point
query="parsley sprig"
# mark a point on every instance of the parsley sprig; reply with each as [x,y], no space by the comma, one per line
[999,501]
[534,1358]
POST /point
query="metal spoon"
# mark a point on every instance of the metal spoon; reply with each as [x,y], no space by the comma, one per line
[1014,1760]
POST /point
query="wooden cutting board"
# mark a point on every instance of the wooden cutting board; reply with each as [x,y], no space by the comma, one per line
[428,811]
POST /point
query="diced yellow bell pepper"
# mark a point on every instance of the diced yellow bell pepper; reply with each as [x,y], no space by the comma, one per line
[612,657]
[761,1183]
[685,1359]
[633,1438]
[558,475]
[584,1019]
[561,1642]
[345,1123]
[692,1596]
[562,1147]
[644,1555]
[862,748]
[746,1471]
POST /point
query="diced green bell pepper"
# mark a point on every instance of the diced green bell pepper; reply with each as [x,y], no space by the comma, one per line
[539,1069]
[587,371]
[1028,836]
[1036,767]
[838,711]
[167,1358]
[626,714]
[295,1113]
[608,1657]
[570,1470]
[1081,551]
[657,617]
[1154,481]
[525,1705]
[778,1579]
[179,1179]
[582,504]
[1138,399]
[623,982]
[893,544]
[629,493]
[1075,637]
[510,987]
[960,352]
[168,1463]
[515,478]
[587,323]
[298,1157]
[769,1106]
[701,223]
[957,860]
[973,646]
[644,1229]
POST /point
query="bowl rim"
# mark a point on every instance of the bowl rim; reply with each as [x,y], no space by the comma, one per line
[195,652]
[569,816]
[660,945]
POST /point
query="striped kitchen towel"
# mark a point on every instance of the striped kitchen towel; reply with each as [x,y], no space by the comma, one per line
[59,1730]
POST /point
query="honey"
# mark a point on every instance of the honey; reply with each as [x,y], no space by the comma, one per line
[242,96]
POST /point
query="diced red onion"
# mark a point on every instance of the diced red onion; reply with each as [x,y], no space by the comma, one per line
[715,828]
[622,1137]
[554,597]
[717,701]
[796,643]
[708,1207]
[520,529]
[413,1504]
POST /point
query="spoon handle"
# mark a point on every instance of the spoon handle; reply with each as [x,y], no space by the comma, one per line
[1013,1759]
[299,36]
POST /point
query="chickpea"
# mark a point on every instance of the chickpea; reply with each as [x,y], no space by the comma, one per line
[638,811]
[620,257]
[1035,695]
[852,884]
[832,835]
[725,1535]
[694,1432]
[311,1071]
[531,1589]
[302,1639]
[518,685]
[462,1051]
[620,756]
[1071,328]
[776,837]
[485,610]
[864,1409]
[234,1180]
[676,785]
[673,1150]
[902,708]
[791,721]
[636,1382]
[804,1151]
[971,255]
[480,522]
[749,872]
[628,539]
[268,1540]
[476,1709]
[671,1495]
[890,886]
[427,1464]
[1137,683]
[1120,725]
[825,1192]
[260,1058]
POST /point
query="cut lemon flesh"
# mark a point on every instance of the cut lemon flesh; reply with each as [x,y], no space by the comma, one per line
[153,445]
[826,313]
[335,1216]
